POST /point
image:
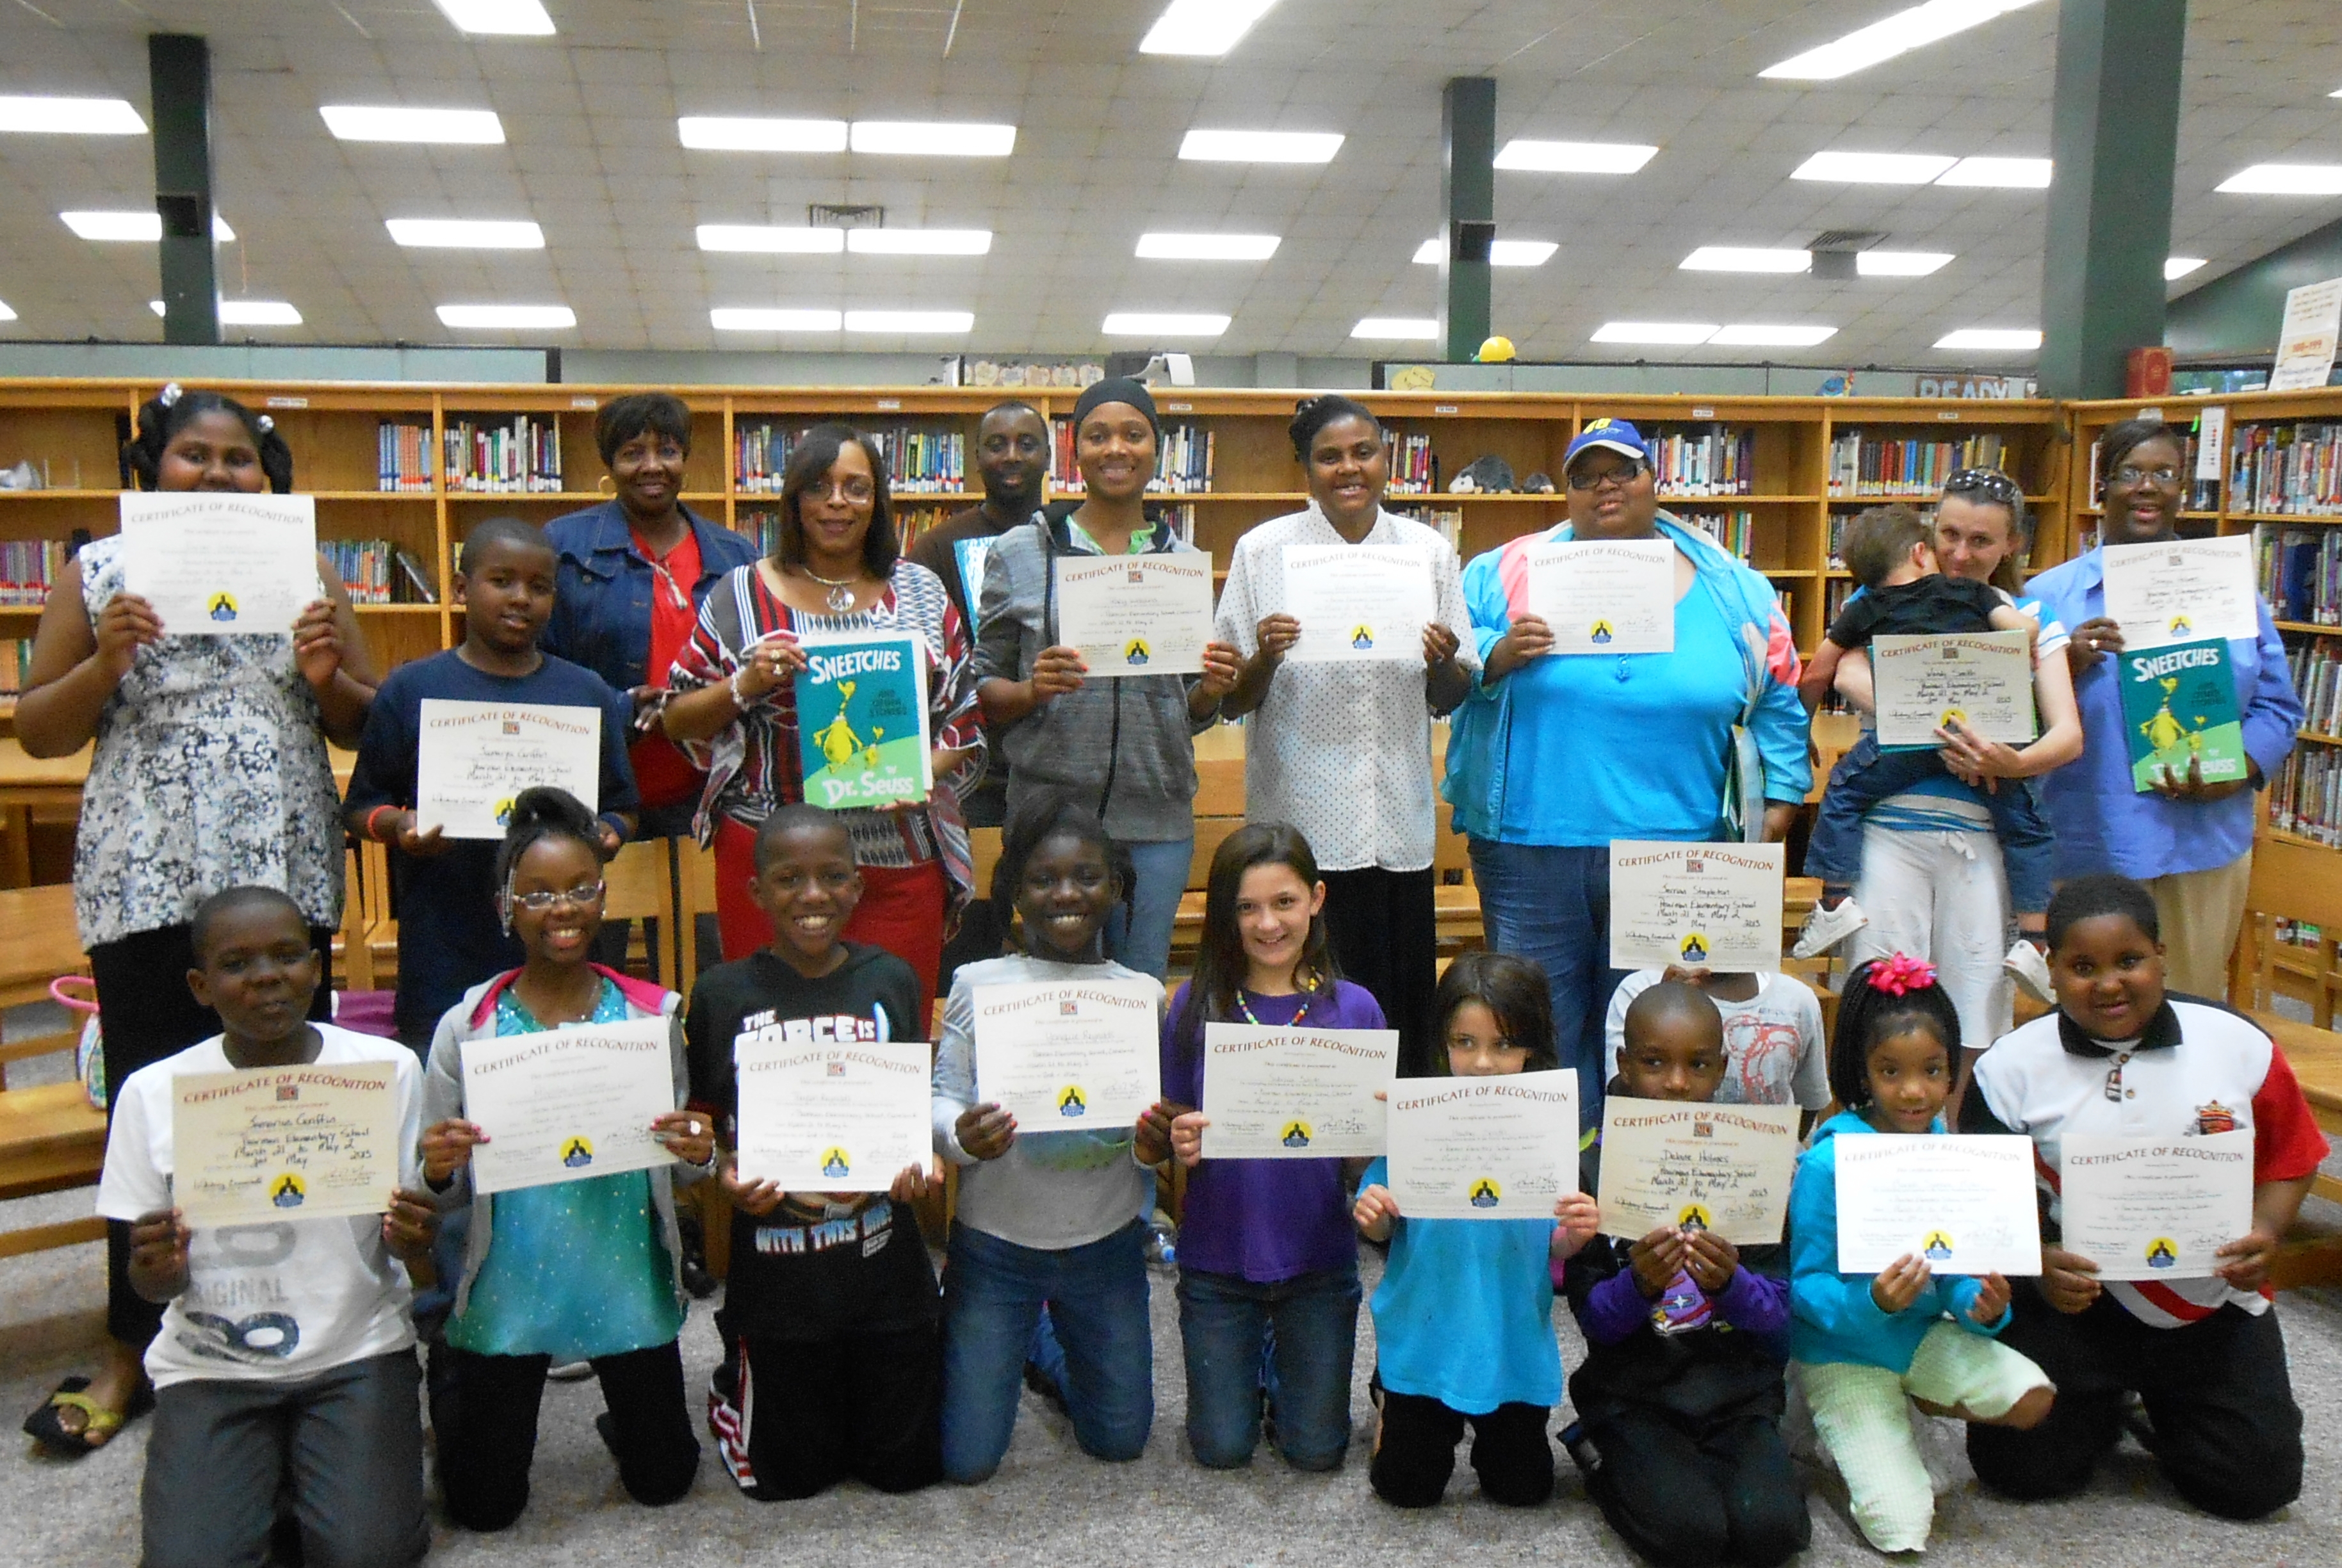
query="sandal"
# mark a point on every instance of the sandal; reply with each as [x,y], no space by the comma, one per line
[47,1427]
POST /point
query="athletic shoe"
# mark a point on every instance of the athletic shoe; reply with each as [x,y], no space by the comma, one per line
[1825,928]
[2030,969]
[570,1372]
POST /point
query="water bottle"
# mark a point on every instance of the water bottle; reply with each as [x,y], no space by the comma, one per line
[1162,1241]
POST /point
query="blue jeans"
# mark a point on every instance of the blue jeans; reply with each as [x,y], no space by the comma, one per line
[1096,1296]
[1550,904]
[1142,938]
[1308,1325]
[1867,776]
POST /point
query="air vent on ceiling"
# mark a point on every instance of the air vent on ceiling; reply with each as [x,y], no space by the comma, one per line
[1833,252]
[837,215]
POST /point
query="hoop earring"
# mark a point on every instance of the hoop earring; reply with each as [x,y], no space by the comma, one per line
[606,486]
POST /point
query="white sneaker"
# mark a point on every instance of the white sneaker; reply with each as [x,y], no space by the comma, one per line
[1825,928]
[2030,969]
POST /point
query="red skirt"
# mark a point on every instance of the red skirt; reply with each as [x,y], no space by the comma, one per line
[902,910]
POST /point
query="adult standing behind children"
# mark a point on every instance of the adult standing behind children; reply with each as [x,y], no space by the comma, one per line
[1342,750]
[210,772]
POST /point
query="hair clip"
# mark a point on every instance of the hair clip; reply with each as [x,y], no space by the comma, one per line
[170,395]
[1899,975]
[267,424]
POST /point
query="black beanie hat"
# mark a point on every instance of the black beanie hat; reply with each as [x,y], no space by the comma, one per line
[1116,389]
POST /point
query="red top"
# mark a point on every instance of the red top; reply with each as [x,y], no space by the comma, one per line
[663,775]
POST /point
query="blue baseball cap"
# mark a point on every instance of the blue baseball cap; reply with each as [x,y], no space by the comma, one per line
[1613,435]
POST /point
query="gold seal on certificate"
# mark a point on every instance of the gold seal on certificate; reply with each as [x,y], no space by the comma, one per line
[1981,682]
[833,1118]
[1702,905]
[1724,1169]
[1295,1093]
[2155,1208]
[1605,596]
[474,759]
[1136,614]
[262,1144]
[1070,1055]
[221,563]
[564,1104]
[2182,590]
[1501,1148]
[1357,601]
[1965,1205]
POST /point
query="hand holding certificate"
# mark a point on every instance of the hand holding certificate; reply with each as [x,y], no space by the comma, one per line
[1979,681]
[564,1104]
[2155,1208]
[832,1118]
[1964,1203]
[476,757]
[221,563]
[1724,1169]
[1703,905]
[1357,601]
[1290,1093]
[1500,1148]
[1606,595]
[1136,614]
[264,1143]
[1068,1056]
[2182,590]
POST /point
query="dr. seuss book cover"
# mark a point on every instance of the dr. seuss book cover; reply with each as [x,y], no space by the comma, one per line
[862,722]
[2179,705]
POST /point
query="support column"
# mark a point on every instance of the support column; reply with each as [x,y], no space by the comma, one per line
[1467,200]
[179,67]
[2114,133]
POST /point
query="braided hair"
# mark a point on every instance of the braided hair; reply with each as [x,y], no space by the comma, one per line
[172,410]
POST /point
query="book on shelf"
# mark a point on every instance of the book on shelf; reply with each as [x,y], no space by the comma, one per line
[920,461]
[2294,470]
[1837,521]
[2317,665]
[1735,530]
[1862,466]
[1714,461]
[2301,573]
[1183,460]
[377,572]
[1448,520]
[403,457]
[2305,796]
[15,665]
[519,455]
[1414,468]
[1833,598]
[27,567]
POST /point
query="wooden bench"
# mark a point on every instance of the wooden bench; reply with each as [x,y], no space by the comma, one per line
[51,1137]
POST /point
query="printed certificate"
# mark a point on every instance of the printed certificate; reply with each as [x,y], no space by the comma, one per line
[833,1118]
[1357,601]
[1606,595]
[1703,905]
[1501,1148]
[1965,1204]
[564,1104]
[1136,614]
[1720,1168]
[1067,1055]
[263,1144]
[2155,1208]
[1981,682]
[474,758]
[2182,590]
[1295,1093]
[221,563]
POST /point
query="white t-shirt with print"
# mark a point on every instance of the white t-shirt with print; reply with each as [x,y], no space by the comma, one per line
[1773,1052]
[279,1301]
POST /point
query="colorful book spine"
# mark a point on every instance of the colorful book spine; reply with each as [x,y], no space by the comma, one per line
[1863,465]
[1735,530]
[519,455]
[2286,470]
[27,567]
[1413,470]
[1714,461]
[403,454]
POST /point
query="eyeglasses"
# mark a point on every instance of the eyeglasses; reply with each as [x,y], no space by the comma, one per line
[855,491]
[1626,474]
[576,897]
[2161,474]
[1989,483]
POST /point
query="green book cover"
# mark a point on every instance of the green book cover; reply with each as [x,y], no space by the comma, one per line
[2179,705]
[862,721]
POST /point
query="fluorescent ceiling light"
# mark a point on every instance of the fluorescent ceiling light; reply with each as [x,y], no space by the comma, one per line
[936,138]
[735,319]
[5,313]
[734,135]
[1260,146]
[1745,335]
[466,234]
[1164,324]
[1396,326]
[1503,253]
[71,116]
[521,16]
[2009,174]
[1202,27]
[494,317]
[1666,333]
[771,239]
[1896,34]
[1206,247]
[918,242]
[2006,338]
[1574,157]
[1900,263]
[365,123]
[248,312]
[132,226]
[910,321]
[1873,169]
[2177,268]
[2285,180]
[1744,258]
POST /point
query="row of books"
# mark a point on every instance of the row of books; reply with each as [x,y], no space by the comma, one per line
[15,665]
[2294,469]
[1735,530]
[918,462]
[1448,520]
[2301,574]
[2317,665]
[520,455]
[1183,460]
[1862,464]
[27,567]
[1715,461]
[2306,799]
[377,572]
[403,456]
[1414,467]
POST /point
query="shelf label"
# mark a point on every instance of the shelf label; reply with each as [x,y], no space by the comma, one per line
[585,403]
[889,405]
[1180,408]
[1947,413]
[288,403]
[2153,414]
[1699,413]
[1446,408]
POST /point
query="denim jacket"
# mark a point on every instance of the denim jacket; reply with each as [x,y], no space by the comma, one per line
[602,592]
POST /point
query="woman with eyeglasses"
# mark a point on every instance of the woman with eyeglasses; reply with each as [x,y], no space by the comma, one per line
[2190,842]
[1553,755]
[838,571]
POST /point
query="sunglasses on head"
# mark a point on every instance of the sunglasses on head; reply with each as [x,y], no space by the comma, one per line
[1990,482]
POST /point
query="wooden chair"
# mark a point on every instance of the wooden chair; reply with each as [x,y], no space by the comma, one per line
[641,886]
[694,879]
[2289,882]
[51,1137]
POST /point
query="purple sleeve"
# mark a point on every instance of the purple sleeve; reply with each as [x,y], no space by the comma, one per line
[1755,1305]
[1615,1310]
[1182,1080]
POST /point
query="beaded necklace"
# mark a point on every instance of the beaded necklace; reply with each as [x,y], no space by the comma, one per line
[1305,980]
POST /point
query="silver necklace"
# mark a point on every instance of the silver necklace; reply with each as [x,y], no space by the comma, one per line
[840,597]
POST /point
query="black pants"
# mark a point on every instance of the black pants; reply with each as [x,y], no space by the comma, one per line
[803,1416]
[146,1013]
[483,1411]
[2227,1432]
[1686,1494]
[1385,932]
[1415,1451]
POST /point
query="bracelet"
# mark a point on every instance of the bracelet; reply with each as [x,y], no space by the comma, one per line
[370,816]
[739,702]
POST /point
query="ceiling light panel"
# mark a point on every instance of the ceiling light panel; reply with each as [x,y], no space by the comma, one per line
[911,322]
[770,239]
[1164,324]
[1206,247]
[1395,327]
[2177,268]
[1751,336]
[931,138]
[133,226]
[466,234]
[1900,263]
[1742,258]
[1502,252]
[389,123]
[1659,334]
[2008,174]
[5,313]
[734,134]
[918,242]
[1574,157]
[1873,169]
[1882,40]
[741,319]
[1998,339]
[1260,146]
[248,312]
[508,317]
[70,116]
[1202,27]
[2285,180]
[525,19]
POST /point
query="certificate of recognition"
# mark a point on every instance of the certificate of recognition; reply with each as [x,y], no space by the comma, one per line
[1295,1093]
[1357,601]
[563,1105]
[833,1118]
[2155,1208]
[2182,590]
[1981,682]
[1720,1168]
[1136,614]
[1502,1148]
[221,563]
[1702,905]
[1067,1055]
[1606,595]
[1964,1203]
[476,757]
[264,1143]
[862,722]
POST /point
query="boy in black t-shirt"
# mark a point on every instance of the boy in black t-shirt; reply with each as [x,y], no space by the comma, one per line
[830,1316]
